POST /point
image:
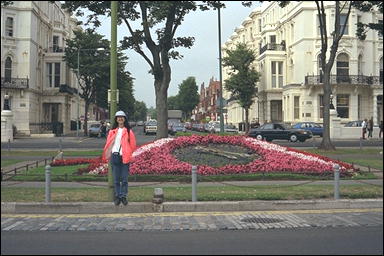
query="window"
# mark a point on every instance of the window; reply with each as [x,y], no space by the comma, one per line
[53,75]
[360,65]
[55,43]
[57,74]
[296,107]
[380,32]
[277,74]
[342,68]
[321,104]
[272,39]
[260,25]
[342,101]
[8,70]
[9,26]
[343,18]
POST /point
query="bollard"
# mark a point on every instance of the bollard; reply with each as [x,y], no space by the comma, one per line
[158,196]
[194,183]
[9,145]
[336,170]
[47,183]
[313,142]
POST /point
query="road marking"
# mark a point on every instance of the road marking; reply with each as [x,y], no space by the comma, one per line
[189,214]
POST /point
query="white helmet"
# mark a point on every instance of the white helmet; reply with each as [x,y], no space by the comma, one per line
[120,113]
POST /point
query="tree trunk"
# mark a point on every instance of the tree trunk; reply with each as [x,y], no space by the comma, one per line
[162,109]
[86,119]
[246,120]
[326,143]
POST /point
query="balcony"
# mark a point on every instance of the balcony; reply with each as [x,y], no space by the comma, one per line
[345,79]
[14,83]
[55,49]
[67,89]
[273,47]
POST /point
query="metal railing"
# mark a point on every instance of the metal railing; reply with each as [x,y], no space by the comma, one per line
[345,79]
[272,47]
[14,83]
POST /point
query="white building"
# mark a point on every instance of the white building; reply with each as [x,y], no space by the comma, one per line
[287,45]
[42,88]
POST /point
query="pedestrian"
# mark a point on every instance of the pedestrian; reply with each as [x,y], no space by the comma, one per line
[370,127]
[364,128]
[381,129]
[103,129]
[120,145]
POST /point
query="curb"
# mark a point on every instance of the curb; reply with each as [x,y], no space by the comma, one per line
[222,206]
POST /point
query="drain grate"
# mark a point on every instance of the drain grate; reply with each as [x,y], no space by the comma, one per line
[261,220]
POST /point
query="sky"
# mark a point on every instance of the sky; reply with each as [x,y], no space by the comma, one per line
[200,61]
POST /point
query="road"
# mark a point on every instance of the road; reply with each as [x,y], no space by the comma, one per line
[324,241]
[68,143]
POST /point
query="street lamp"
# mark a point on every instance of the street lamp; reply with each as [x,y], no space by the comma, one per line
[78,88]
[220,73]
[331,106]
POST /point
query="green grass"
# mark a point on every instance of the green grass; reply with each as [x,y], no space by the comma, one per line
[204,193]
[52,153]
[6,162]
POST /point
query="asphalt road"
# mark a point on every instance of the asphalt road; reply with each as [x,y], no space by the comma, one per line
[67,143]
[301,241]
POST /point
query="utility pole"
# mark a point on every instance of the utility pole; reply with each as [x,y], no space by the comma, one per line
[112,111]
[220,75]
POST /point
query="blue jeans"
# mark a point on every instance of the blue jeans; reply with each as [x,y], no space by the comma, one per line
[120,175]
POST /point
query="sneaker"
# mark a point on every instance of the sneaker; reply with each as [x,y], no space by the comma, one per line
[124,200]
[117,201]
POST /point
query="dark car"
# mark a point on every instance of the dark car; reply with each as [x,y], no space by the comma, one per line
[315,128]
[276,131]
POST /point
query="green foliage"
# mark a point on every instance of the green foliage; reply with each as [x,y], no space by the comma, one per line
[188,96]
[152,113]
[368,6]
[140,111]
[94,68]
[173,102]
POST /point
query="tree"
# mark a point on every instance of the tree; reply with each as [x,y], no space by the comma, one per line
[152,112]
[368,6]
[188,96]
[243,77]
[140,111]
[173,102]
[94,69]
[152,15]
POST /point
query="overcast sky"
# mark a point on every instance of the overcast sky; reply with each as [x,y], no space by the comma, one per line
[200,61]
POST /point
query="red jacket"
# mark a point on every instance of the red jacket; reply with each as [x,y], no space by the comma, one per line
[127,147]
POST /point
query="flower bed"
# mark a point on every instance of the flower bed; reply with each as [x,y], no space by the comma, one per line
[157,158]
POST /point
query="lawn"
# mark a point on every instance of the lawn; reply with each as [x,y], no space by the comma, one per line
[204,193]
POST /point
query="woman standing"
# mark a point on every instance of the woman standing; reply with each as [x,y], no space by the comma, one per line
[120,144]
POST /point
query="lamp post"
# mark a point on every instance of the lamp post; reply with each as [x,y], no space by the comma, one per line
[78,89]
[220,73]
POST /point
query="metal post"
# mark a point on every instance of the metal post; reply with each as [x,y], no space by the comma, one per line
[78,93]
[60,146]
[113,82]
[194,183]
[47,183]
[220,74]
[360,143]
[9,145]
[336,171]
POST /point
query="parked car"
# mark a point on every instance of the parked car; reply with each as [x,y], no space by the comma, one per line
[230,128]
[150,127]
[315,128]
[354,123]
[94,130]
[277,131]
[140,123]
[177,127]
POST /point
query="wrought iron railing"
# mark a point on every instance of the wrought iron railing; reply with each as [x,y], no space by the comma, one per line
[345,79]
[272,47]
[67,89]
[14,83]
